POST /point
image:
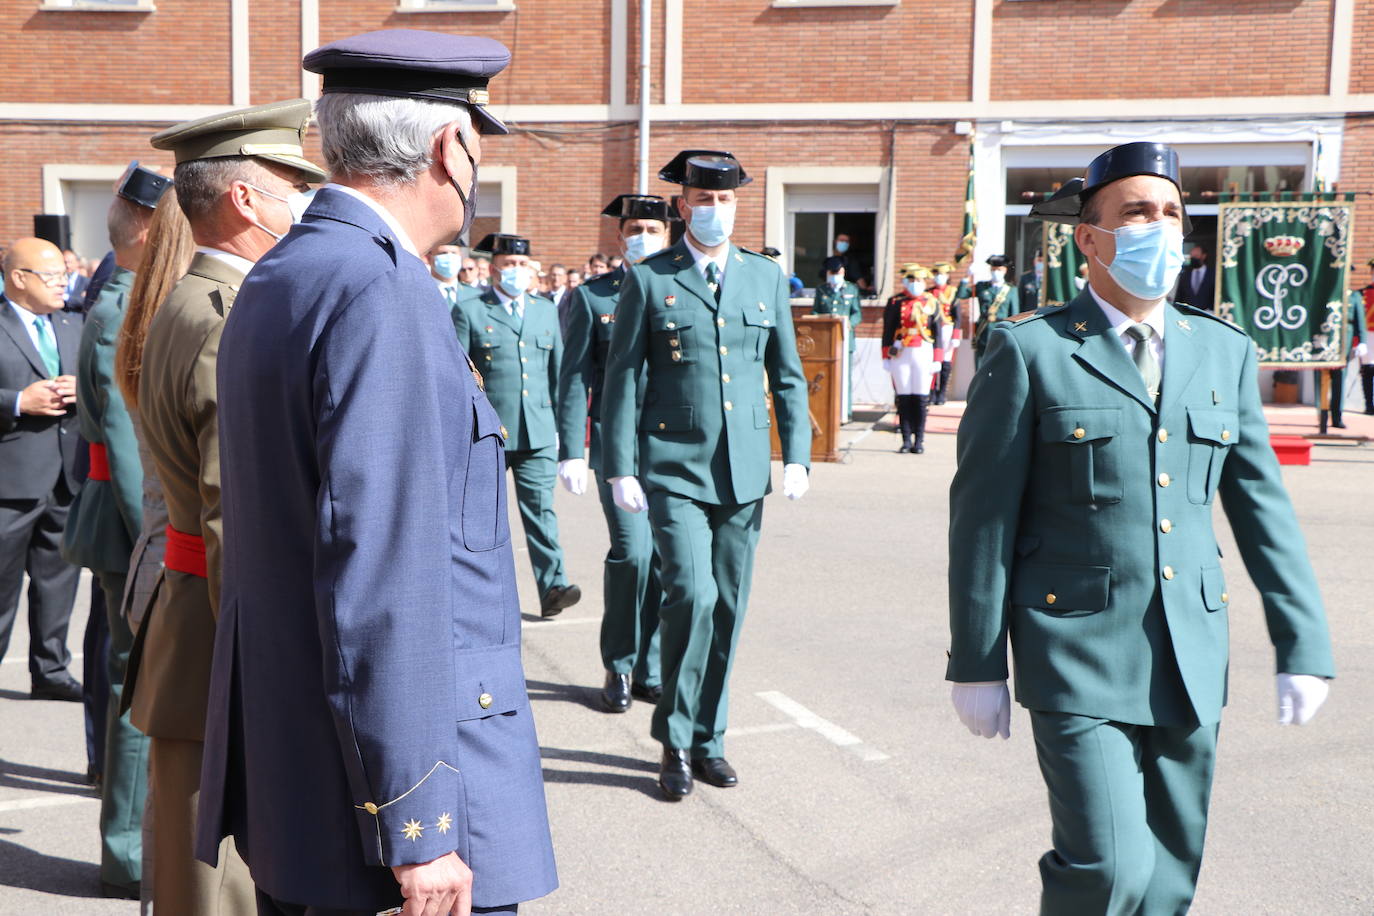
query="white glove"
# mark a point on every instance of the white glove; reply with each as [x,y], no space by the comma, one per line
[795,481]
[1361,349]
[984,707]
[573,474]
[628,494]
[1300,696]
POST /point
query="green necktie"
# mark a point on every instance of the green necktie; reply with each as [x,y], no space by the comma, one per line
[713,279]
[1145,357]
[47,347]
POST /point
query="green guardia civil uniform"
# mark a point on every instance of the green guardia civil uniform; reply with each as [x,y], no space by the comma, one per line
[105,521]
[1081,533]
[629,623]
[518,358]
[699,446]
[995,303]
[846,303]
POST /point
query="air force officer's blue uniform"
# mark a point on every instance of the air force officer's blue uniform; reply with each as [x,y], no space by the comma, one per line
[368,704]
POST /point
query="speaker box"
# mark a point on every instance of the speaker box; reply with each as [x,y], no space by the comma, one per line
[55,228]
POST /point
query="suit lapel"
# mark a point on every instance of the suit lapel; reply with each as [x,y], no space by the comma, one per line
[497,312]
[67,343]
[1181,357]
[20,335]
[689,278]
[1102,351]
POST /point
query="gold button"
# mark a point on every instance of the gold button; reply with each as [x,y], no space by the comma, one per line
[1163,435]
[674,342]
[1168,572]
[370,808]
[677,356]
[484,701]
[524,375]
[522,359]
[1163,480]
[1225,598]
[729,406]
[522,343]
[720,322]
[1051,598]
[725,377]
[671,325]
[525,393]
[1165,525]
[765,322]
[1079,433]
[1225,435]
[663,426]
[504,434]
[724,351]
[762,307]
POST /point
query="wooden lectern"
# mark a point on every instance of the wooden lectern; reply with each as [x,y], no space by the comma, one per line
[820,343]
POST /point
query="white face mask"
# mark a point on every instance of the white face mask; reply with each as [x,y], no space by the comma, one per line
[913,286]
[999,276]
[835,280]
[941,279]
[515,280]
[711,226]
[296,202]
[640,246]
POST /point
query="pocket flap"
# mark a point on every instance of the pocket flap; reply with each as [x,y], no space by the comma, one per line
[667,419]
[485,420]
[1079,424]
[489,343]
[669,321]
[1061,588]
[760,315]
[762,418]
[545,342]
[490,681]
[1214,595]
[1216,425]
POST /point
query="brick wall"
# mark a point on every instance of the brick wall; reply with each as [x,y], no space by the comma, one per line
[274,47]
[1362,48]
[1160,48]
[1357,174]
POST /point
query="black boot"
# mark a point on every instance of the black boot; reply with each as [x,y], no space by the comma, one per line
[942,385]
[920,407]
[1367,383]
[904,421]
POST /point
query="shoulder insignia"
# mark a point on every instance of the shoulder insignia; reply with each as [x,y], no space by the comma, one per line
[1024,316]
[754,253]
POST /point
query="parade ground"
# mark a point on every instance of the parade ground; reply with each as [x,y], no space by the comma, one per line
[859,791]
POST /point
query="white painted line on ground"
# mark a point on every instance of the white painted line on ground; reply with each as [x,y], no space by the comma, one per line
[744,730]
[22,658]
[570,621]
[807,719]
[51,801]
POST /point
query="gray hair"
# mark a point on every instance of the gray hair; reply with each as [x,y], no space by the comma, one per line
[200,183]
[387,140]
[125,221]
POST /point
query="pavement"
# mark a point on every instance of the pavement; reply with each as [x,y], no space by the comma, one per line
[860,792]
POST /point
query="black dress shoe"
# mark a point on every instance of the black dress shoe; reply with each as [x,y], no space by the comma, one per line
[64,688]
[558,598]
[918,450]
[905,448]
[119,891]
[640,692]
[716,771]
[615,696]
[675,774]
[1338,424]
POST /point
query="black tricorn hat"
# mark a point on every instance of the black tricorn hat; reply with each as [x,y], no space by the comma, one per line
[712,170]
[639,206]
[1125,161]
[770,252]
[999,260]
[142,186]
[831,264]
[501,243]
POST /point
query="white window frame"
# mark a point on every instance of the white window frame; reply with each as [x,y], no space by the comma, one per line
[503,176]
[804,4]
[455,6]
[96,6]
[56,174]
[776,226]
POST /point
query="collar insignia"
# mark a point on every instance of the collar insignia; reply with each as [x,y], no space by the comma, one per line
[1080,326]
[1183,323]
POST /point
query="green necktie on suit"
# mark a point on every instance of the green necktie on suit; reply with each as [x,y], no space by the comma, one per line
[713,279]
[47,346]
[1144,357]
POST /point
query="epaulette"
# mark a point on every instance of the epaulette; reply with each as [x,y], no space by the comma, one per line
[756,254]
[657,254]
[1033,313]
[1203,313]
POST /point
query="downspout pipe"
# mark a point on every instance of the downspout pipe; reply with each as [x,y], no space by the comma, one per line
[645,12]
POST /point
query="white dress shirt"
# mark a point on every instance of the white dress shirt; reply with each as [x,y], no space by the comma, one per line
[514,305]
[1120,321]
[381,211]
[702,259]
[241,264]
[30,321]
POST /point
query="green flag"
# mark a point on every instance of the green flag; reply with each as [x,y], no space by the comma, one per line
[1062,260]
[969,240]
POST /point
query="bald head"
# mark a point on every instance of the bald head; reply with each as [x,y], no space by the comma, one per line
[35,275]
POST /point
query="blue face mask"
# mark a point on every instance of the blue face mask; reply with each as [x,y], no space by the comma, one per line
[515,280]
[638,247]
[711,226]
[913,287]
[1148,258]
[835,280]
[841,247]
[446,265]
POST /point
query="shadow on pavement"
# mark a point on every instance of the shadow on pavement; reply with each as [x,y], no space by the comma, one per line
[13,695]
[646,783]
[23,868]
[41,779]
[564,693]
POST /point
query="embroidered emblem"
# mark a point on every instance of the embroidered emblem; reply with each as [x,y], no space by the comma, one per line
[445,823]
[670,301]
[677,259]
[413,830]
[1183,323]
[605,319]
[615,284]
[1080,325]
[489,329]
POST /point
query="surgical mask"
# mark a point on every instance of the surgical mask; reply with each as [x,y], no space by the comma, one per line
[1039,268]
[841,247]
[515,280]
[1148,258]
[446,265]
[835,280]
[711,226]
[913,286]
[640,246]
[296,202]
[999,276]
[941,279]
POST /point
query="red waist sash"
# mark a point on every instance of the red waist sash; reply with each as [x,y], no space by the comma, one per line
[185,553]
[100,462]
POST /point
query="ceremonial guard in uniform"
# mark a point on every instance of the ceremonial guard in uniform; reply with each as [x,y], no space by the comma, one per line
[1366,317]
[908,347]
[106,520]
[629,623]
[372,740]
[840,296]
[235,176]
[706,329]
[948,333]
[513,335]
[1096,438]
[997,300]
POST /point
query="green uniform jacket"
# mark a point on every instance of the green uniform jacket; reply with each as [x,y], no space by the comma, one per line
[107,515]
[844,301]
[519,363]
[703,429]
[994,304]
[169,671]
[1081,520]
[582,378]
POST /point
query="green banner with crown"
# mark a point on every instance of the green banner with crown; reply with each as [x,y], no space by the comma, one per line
[1062,280]
[1283,270]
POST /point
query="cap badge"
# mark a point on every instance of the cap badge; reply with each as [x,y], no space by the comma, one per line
[478,97]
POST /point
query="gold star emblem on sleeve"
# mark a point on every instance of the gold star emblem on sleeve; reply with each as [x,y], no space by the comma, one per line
[1080,326]
[413,830]
[445,823]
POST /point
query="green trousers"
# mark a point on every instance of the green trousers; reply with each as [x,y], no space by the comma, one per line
[629,623]
[1129,809]
[707,562]
[535,472]
[126,757]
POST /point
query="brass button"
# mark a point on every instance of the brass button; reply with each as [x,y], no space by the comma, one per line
[762,307]
[674,342]
[1163,435]
[729,406]
[663,426]
[1163,480]
[1225,435]
[522,343]
[484,701]
[1051,598]
[1079,433]
[725,377]
[720,322]
[677,356]
[525,393]
[671,325]
[765,322]
[522,359]
[524,375]
[504,434]
[1168,572]
[724,351]
[1165,525]
[1225,598]
[369,808]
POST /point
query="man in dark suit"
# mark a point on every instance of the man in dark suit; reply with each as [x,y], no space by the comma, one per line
[74,296]
[369,736]
[38,344]
[1197,284]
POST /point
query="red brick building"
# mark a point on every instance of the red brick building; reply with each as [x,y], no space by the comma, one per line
[851,115]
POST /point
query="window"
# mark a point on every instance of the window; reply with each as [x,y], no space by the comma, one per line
[455,6]
[817,215]
[495,203]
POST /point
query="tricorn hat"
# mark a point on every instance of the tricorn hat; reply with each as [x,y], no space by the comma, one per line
[914,270]
[999,260]
[639,206]
[831,264]
[712,170]
[142,186]
[501,243]
[1125,161]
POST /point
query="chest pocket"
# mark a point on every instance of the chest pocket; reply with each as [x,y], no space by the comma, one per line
[487,346]
[760,320]
[485,525]
[544,344]
[1211,433]
[672,340]
[1082,446]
